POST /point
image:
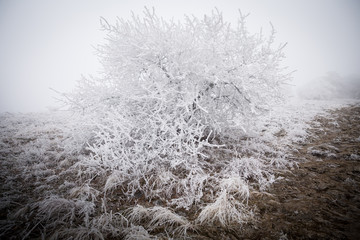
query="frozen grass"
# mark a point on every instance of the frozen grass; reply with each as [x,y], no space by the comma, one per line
[138,232]
[55,186]
[158,217]
[229,208]
[226,211]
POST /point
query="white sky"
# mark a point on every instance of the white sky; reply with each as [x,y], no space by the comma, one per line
[48,43]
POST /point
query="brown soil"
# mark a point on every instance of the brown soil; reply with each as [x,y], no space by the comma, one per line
[321,198]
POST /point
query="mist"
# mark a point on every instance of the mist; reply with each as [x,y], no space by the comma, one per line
[50,44]
[330,86]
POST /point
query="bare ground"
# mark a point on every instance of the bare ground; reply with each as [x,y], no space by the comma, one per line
[321,198]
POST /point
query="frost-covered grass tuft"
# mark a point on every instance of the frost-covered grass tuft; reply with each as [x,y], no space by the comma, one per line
[138,232]
[230,206]
[226,211]
[84,192]
[159,218]
[79,233]
[53,209]
[111,224]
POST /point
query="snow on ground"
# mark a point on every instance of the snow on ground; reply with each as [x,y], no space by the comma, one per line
[50,188]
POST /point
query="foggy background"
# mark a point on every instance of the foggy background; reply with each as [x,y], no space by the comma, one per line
[49,44]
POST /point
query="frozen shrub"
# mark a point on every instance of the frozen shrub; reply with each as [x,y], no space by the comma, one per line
[183,79]
[167,90]
[172,93]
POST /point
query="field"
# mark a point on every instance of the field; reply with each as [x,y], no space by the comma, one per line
[295,175]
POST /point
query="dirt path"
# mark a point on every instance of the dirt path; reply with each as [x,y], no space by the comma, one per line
[321,198]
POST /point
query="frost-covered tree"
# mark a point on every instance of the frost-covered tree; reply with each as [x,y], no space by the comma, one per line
[196,71]
[155,149]
[168,89]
